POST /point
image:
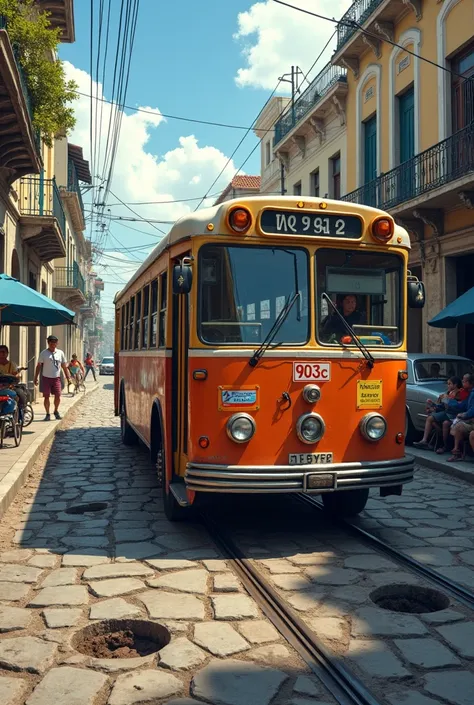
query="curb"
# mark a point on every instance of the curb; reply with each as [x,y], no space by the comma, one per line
[18,474]
[452,470]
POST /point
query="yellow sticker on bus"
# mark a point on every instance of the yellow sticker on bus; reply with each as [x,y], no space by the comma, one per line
[369,394]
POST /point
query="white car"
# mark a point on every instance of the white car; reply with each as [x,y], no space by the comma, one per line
[106,366]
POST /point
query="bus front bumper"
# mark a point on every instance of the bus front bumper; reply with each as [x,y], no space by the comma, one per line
[206,477]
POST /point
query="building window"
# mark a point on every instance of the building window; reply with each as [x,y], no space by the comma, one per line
[268,153]
[315,183]
[297,189]
[146,311]
[336,176]
[462,89]
[154,312]
[163,306]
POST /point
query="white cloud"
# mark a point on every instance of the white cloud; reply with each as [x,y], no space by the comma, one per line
[185,171]
[275,37]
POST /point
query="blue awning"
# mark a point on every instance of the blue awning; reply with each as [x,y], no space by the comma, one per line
[459,311]
[22,306]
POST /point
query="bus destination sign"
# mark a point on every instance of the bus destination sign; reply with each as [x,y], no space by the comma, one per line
[320,224]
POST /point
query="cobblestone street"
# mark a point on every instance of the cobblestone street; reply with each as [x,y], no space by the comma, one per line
[62,570]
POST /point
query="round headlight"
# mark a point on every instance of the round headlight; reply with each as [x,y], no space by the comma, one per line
[310,428]
[240,428]
[373,427]
[311,393]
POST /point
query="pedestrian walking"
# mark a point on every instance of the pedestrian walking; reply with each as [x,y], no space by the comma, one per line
[90,366]
[50,363]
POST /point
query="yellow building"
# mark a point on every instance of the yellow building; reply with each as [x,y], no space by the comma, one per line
[410,134]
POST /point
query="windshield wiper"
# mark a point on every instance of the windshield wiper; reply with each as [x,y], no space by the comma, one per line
[366,353]
[281,318]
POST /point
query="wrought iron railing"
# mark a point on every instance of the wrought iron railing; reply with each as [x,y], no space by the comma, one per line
[436,166]
[318,88]
[73,182]
[69,277]
[358,13]
[40,196]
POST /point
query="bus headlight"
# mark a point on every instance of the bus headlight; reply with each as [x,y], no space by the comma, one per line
[240,428]
[311,393]
[373,427]
[310,428]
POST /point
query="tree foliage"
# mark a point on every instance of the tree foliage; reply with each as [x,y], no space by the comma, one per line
[35,43]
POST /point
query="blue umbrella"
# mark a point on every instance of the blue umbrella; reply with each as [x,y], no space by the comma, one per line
[459,311]
[22,306]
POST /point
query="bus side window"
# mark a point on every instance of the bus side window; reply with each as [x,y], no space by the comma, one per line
[126,324]
[131,322]
[154,313]
[138,320]
[146,310]
[122,328]
[163,306]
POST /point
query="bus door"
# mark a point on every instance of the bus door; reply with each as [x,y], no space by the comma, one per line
[179,375]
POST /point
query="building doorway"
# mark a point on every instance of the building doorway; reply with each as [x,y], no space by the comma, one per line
[464,282]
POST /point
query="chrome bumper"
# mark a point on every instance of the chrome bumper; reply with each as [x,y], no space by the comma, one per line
[204,477]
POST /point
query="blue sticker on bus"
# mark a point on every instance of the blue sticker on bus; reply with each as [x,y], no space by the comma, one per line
[247,397]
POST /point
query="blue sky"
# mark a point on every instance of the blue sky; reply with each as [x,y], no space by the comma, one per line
[215,60]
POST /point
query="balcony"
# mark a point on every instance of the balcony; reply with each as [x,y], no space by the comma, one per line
[19,144]
[42,219]
[89,309]
[311,107]
[72,197]
[61,14]
[376,16]
[437,179]
[69,286]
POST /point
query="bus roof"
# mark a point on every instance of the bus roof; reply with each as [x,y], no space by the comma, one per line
[196,223]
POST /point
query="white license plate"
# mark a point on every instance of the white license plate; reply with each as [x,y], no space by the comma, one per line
[310,458]
[311,371]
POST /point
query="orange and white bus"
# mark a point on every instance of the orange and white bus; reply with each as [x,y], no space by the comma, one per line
[262,348]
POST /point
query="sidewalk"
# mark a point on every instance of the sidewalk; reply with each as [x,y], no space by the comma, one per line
[464,470]
[15,463]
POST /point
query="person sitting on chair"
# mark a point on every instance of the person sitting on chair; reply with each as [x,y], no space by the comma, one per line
[440,416]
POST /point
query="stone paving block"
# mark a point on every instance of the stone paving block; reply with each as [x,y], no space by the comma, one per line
[115,586]
[226,582]
[233,607]
[85,558]
[233,682]
[129,535]
[85,541]
[27,653]
[330,628]
[456,687]
[53,531]
[375,658]
[459,574]
[219,638]
[329,575]
[68,686]
[460,637]
[257,631]
[168,605]
[188,701]
[426,653]
[319,558]
[16,555]
[16,573]
[431,556]
[194,581]
[60,576]
[146,686]
[368,562]
[181,655]
[13,618]
[442,616]
[280,565]
[116,608]
[308,600]
[270,653]
[215,565]
[305,685]
[117,570]
[307,701]
[369,621]
[411,697]
[351,593]
[11,689]
[178,542]
[43,561]
[137,551]
[13,592]
[467,557]
[292,583]
[64,595]
[59,618]
[389,577]
[171,563]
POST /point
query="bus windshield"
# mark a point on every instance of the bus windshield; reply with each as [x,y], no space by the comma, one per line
[242,290]
[365,287]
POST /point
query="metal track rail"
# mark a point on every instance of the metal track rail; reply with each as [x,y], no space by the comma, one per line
[457,591]
[346,688]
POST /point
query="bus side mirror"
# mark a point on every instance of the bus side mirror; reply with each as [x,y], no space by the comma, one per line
[416,294]
[182,279]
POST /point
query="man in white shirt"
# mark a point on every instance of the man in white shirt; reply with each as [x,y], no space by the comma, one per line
[50,363]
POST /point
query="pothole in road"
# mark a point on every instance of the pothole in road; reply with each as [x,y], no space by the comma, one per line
[410,599]
[121,638]
[90,508]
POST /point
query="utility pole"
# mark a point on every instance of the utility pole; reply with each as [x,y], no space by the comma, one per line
[294,80]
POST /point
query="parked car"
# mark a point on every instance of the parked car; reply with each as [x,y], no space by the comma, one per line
[106,366]
[427,376]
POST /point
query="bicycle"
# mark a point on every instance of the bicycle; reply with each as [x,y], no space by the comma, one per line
[77,381]
[11,424]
